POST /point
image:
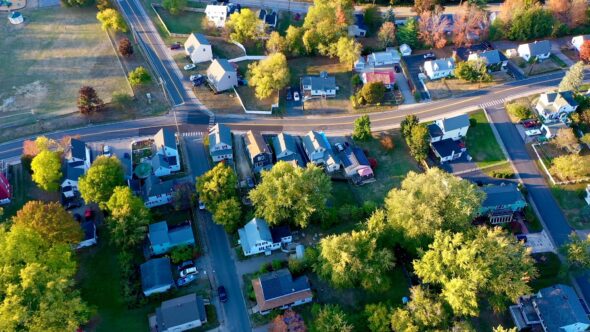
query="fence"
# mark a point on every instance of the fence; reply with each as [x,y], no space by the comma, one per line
[254,111]
[546,170]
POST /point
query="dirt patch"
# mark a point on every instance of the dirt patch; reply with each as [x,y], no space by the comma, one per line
[450,87]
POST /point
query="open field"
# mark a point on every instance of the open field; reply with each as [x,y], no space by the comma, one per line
[184,22]
[481,142]
[46,61]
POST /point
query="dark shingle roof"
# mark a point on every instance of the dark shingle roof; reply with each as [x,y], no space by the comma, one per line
[201,39]
[78,149]
[455,122]
[559,306]
[320,83]
[281,283]
[446,147]
[434,130]
[179,311]
[156,273]
[539,47]
[492,57]
[279,232]
[271,18]
[165,137]
[153,186]
[501,195]
[74,173]
[359,21]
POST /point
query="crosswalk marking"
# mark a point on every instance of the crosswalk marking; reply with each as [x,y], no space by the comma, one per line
[493,103]
[193,134]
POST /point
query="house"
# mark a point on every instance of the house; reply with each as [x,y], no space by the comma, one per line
[256,237]
[322,86]
[156,276]
[220,143]
[539,49]
[448,149]
[74,170]
[180,314]
[163,240]
[360,64]
[217,14]
[386,58]
[285,149]
[198,48]
[89,230]
[493,59]
[16,18]
[454,128]
[160,166]
[156,192]
[552,106]
[271,19]
[587,198]
[5,190]
[279,290]
[578,41]
[258,152]
[355,164]
[319,152]
[79,152]
[405,49]
[550,130]
[556,308]
[221,75]
[358,28]
[501,202]
[387,77]
[439,68]
[166,151]
[281,234]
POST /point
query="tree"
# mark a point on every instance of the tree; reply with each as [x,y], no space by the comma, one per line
[501,328]
[125,47]
[174,6]
[331,318]
[288,321]
[473,71]
[111,19]
[510,7]
[532,23]
[291,193]
[389,15]
[418,142]
[50,220]
[88,101]
[103,4]
[99,183]
[377,317]
[488,263]
[269,75]
[386,34]
[573,78]
[75,3]
[570,166]
[217,185]
[362,128]
[353,259]
[425,311]
[569,12]
[129,218]
[586,139]
[585,51]
[408,33]
[577,252]
[372,93]
[471,23]
[432,29]
[565,138]
[41,143]
[519,111]
[348,50]
[294,41]
[228,214]
[373,18]
[408,123]
[182,196]
[46,167]
[276,43]
[139,76]
[244,26]
[428,202]
[326,21]
[422,6]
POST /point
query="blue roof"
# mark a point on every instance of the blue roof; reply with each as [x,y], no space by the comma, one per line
[158,233]
[359,21]
[501,195]
[281,283]
[455,122]
[182,235]
[156,273]
[559,306]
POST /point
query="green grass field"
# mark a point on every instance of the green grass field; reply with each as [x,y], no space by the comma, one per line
[185,22]
[570,199]
[481,142]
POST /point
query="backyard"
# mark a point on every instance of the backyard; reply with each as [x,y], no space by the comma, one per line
[481,142]
[530,69]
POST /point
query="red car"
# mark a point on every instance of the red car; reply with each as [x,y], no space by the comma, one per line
[529,123]
[88,214]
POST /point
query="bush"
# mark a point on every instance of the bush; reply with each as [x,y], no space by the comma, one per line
[329,218]
[373,93]
[139,76]
[356,80]
[387,142]
[472,122]
[519,111]
[277,264]
[121,100]
[181,254]
[296,266]
[502,175]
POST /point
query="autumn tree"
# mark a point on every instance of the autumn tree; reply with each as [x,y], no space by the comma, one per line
[331,318]
[510,7]
[573,78]
[408,33]
[570,166]
[244,26]
[41,143]
[423,6]
[129,218]
[520,111]
[362,128]
[473,71]
[428,202]
[88,101]
[217,185]
[289,321]
[425,311]
[125,47]
[111,19]
[139,76]
[291,193]
[501,328]
[276,43]
[75,3]
[174,6]
[294,41]
[471,23]
[326,21]
[585,51]
[269,75]
[50,220]
[386,34]
[347,49]
[565,138]
[377,316]
[432,29]
[569,12]
[98,184]
[46,167]
[371,93]
[103,4]
[577,252]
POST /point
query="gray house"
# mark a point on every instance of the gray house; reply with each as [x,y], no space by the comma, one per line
[539,49]
[319,152]
[180,314]
[279,290]
[286,149]
[156,276]
[162,239]
[493,59]
[220,143]
[322,86]
[501,202]
[222,75]
[258,151]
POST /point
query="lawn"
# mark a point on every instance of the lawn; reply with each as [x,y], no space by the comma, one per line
[445,88]
[481,142]
[571,200]
[252,103]
[46,61]
[528,69]
[185,22]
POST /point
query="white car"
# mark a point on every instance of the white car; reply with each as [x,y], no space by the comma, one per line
[201,205]
[106,150]
[190,66]
[188,271]
[296,95]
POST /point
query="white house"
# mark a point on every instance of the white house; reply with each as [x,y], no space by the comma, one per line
[79,159]
[448,149]
[220,143]
[256,237]
[319,151]
[167,151]
[222,75]
[439,68]
[156,192]
[405,49]
[198,48]
[493,59]
[386,58]
[454,128]
[550,130]
[322,86]
[217,14]
[79,151]
[358,28]
[180,314]
[539,49]
[552,106]
[578,41]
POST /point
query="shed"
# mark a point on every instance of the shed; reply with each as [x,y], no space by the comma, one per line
[156,276]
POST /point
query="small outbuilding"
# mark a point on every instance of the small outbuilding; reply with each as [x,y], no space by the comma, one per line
[16,18]
[156,276]
[405,49]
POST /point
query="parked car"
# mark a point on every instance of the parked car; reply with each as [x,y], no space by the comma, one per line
[250,182]
[185,264]
[222,294]
[190,66]
[530,123]
[176,46]
[186,280]
[195,77]
[429,56]
[88,214]
[242,82]
[106,150]
[296,95]
[288,94]
[201,205]
[188,271]
[397,69]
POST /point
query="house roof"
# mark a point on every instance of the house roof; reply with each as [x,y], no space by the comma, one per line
[77,149]
[440,64]
[89,229]
[270,18]
[384,56]
[158,233]
[559,306]
[261,14]
[255,143]
[556,100]
[321,83]
[538,47]
[255,230]
[387,77]
[279,288]
[181,235]
[179,311]
[446,147]
[434,130]
[165,137]
[492,57]
[286,143]
[359,21]
[501,195]
[456,122]
[219,134]
[153,186]
[74,171]
[158,161]
[464,52]
[405,48]
[314,141]
[219,67]
[198,39]
[279,232]
[156,273]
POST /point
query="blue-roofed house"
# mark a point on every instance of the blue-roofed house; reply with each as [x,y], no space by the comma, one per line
[156,192]
[493,59]
[162,239]
[454,128]
[322,86]
[285,149]
[166,147]
[198,48]
[180,314]
[358,28]
[221,75]
[319,151]
[220,143]
[257,237]
[355,164]
[538,49]
[554,105]
[156,276]
[279,290]
[501,202]
[553,309]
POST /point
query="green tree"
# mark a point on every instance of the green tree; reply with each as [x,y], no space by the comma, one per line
[291,193]
[418,142]
[372,93]
[534,22]
[139,76]
[473,71]
[586,139]
[181,254]
[98,184]
[174,6]
[408,34]
[573,78]
[348,50]
[428,202]
[501,328]
[331,318]
[402,321]
[570,166]
[276,43]
[577,252]
[387,34]
[425,311]
[244,26]
[377,317]
[75,3]
[217,185]
[408,123]
[46,167]
[129,218]
[519,111]
[362,128]
[489,263]
[373,18]
[228,214]
[294,41]
[111,19]
[269,75]
[326,21]
[50,220]
[389,15]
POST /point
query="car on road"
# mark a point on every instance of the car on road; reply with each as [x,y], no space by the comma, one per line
[190,66]
[185,264]
[176,46]
[188,271]
[106,150]
[250,182]
[186,280]
[72,205]
[288,94]
[201,205]
[429,56]
[296,95]
[222,294]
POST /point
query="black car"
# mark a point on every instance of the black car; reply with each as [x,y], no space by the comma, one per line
[397,69]
[222,294]
[199,81]
[288,94]
[176,46]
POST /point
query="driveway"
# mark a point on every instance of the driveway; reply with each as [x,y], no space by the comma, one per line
[241,159]
[404,87]
[414,64]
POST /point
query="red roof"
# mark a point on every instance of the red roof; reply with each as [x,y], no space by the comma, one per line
[5,190]
[386,77]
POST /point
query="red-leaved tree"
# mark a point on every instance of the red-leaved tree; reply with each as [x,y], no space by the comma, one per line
[431,29]
[585,51]
[471,24]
